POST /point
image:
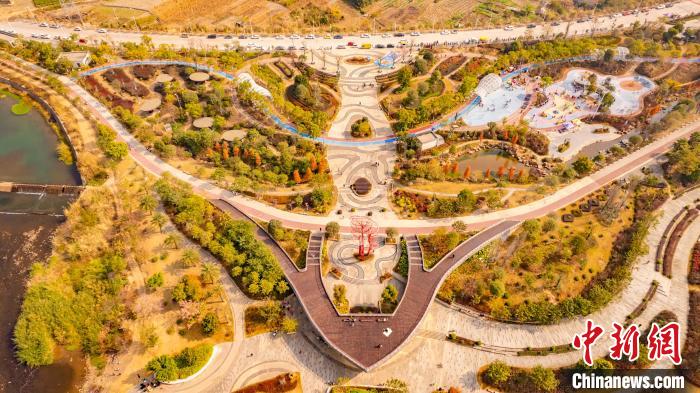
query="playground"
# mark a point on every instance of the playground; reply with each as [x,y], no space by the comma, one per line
[580,94]
[495,106]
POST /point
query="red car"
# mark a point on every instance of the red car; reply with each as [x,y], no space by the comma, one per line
[350,43]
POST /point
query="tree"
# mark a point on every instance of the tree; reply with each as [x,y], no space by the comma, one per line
[609,55]
[148,203]
[190,257]
[466,200]
[210,272]
[172,240]
[332,230]
[155,281]
[390,294]
[159,220]
[149,336]
[532,228]
[497,372]
[607,101]
[459,226]
[404,76]
[164,368]
[543,379]
[391,234]
[289,325]
[583,165]
[296,176]
[210,324]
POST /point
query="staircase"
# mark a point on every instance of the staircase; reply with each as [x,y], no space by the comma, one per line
[415,256]
[314,249]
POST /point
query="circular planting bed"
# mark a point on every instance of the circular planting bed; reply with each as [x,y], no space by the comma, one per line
[203,122]
[361,186]
[199,77]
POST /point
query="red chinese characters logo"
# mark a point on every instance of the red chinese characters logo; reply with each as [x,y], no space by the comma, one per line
[626,342]
[587,339]
[665,342]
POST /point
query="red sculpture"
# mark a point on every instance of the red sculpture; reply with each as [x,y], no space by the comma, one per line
[364,229]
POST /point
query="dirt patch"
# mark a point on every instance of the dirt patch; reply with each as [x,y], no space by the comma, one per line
[358,60]
[631,85]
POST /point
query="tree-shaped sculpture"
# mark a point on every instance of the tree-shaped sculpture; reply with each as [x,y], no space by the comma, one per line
[364,230]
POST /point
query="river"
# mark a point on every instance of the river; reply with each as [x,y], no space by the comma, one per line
[27,225]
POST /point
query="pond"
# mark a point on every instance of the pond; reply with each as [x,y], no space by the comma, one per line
[489,160]
[28,148]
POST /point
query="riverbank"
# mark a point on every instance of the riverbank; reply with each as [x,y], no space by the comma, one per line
[24,239]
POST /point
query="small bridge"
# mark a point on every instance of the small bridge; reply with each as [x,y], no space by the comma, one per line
[55,189]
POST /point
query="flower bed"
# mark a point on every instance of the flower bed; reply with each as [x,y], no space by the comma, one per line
[674,239]
[144,72]
[120,78]
[450,64]
[284,68]
[694,275]
[96,88]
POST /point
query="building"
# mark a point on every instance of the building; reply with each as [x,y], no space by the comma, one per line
[79,59]
[429,140]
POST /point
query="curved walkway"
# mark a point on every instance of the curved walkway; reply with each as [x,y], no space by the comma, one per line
[541,207]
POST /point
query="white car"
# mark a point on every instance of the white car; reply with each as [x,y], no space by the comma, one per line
[310,37]
[279,37]
[445,32]
[386,35]
[254,37]
[45,36]
[365,35]
[660,6]
[102,31]
[508,28]
[294,36]
[43,24]
[415,34]
[340,47]
[78,29]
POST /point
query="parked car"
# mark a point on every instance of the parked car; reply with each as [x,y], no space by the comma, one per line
[211,36]
[337,37]
[365,35]
[102,31]
[379,46]
[508,28]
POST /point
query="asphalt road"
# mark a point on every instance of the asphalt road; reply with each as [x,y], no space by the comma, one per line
[570,28]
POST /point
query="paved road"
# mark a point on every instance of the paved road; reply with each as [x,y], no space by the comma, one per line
[604,23]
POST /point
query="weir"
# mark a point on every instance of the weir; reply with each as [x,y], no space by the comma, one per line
[55,189]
